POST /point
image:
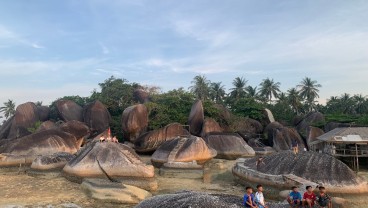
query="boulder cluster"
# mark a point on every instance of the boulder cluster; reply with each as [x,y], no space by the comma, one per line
[80,147]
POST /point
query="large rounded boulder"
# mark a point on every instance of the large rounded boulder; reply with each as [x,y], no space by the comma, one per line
[281,137]
[311,119]
[141,96]
[196,118]
[247,128]
[210,126]
[150,141]
[312,134]
[134,121]
[26,116]
[78,129]
[183,150]
[69,110]
[46,125]
[229,146]
[43,113]
[193,200]
[24,150]
[113,192]
[96,116]
[319,168]
[111,160]
[56,161]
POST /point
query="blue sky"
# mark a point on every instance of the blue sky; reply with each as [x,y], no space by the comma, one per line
[53,48]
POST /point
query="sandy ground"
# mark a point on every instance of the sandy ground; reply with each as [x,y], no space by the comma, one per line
[20,190]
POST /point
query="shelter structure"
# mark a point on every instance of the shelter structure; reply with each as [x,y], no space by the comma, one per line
[348,142]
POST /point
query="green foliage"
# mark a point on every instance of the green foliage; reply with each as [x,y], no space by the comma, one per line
[8,109]
[201,87]
[34,127]
[166,108]
[269,89]
[248,107]
[116,94]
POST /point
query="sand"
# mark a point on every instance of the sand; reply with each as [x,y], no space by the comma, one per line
[26,191]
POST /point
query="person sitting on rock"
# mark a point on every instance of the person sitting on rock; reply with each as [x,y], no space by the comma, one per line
[249,198]
[102,138]
[114,139]
[309,197]
[294,198]
[259,162]
[259,199]
[295,146]
[323,200]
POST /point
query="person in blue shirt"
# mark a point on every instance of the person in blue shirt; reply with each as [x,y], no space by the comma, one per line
[295,198]
[248,200]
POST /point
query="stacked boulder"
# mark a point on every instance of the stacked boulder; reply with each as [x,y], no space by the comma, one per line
[69,110]
[150,141]
[24,150]
[196,118]
[229,145]
[112,161]
[281,137]
[134,121]
[183,157]
[96,117]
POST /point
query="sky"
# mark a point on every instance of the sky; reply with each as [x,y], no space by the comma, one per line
[49,49]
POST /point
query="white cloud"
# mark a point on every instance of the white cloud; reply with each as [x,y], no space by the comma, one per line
[9,37]
[104,49]
[20,67]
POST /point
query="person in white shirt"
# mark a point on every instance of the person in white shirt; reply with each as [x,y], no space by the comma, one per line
[259,198]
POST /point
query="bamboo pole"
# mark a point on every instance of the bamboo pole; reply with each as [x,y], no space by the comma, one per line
[357,158]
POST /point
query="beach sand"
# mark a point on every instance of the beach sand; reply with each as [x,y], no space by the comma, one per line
[20,190]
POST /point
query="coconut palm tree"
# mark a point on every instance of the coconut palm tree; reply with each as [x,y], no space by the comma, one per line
[282,98]
[346,103]
[200,87]
[217,92]
[8,109]
[252,92]
[308,89]
[360,103]
[238,91]
[294,100]
[269,89]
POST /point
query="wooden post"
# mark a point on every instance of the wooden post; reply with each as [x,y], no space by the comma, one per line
[357,158]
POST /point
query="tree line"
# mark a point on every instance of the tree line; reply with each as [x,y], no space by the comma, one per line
[242,100]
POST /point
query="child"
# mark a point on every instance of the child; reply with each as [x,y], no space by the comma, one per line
[309,197]
[295,146]
[323,200]
[295,198]
[259,199]
[249,198]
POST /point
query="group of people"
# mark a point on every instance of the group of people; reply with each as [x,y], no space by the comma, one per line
[295,199]
[108,137]
[321,200]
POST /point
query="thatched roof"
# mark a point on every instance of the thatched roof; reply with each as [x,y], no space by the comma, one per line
[345,135]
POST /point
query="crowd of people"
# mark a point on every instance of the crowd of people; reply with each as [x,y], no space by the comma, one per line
[295,198]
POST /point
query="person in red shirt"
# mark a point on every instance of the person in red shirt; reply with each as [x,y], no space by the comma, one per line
[309,197]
